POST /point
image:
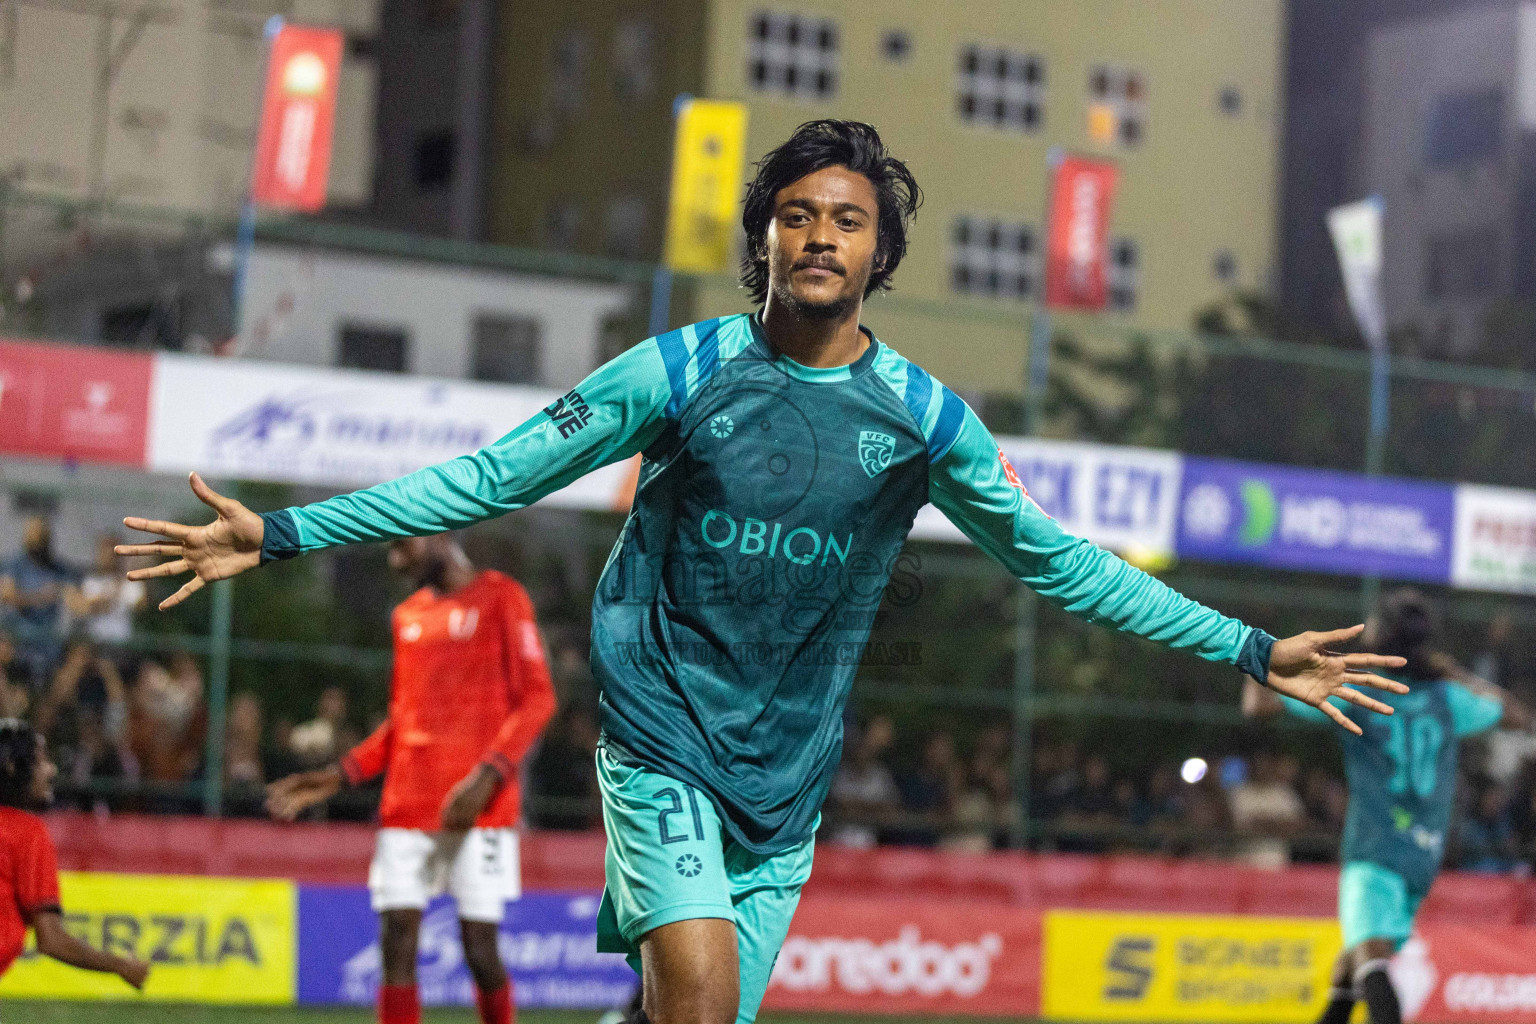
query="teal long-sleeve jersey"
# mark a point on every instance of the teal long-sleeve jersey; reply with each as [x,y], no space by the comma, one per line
[773,501]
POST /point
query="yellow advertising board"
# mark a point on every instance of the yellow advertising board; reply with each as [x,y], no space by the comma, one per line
[207,940]
[1176,967]
[708,156]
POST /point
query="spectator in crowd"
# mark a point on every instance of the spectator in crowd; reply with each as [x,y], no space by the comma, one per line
[32,585]
[323,738]
[15,696]
[244,769]
[1089,809]
[1485,835]
[168,720]
[561,775]
[1268,808]
[931,789]
[84,715]
[105,600]
[1492,662]
[863,791]
[1325,799]
[1056,778]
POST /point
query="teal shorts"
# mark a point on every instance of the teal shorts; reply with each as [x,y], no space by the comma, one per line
[1375,903]
[669,859]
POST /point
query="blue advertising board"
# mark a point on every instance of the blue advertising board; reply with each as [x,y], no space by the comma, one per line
[1316,520]
[548,942]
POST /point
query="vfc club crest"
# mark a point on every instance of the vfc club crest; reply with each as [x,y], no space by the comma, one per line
[875,451]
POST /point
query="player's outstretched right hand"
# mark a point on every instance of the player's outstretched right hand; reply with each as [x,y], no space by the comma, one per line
[225,547]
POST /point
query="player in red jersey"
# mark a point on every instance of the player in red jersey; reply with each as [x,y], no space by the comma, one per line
[29,871]
[469,695]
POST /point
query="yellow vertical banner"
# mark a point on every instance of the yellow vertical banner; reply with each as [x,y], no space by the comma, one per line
[708,155]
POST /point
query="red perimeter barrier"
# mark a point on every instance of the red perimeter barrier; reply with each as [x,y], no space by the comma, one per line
[339,854]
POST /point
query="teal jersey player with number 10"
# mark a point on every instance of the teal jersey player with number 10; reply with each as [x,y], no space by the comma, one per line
[785,454]
[1402,789]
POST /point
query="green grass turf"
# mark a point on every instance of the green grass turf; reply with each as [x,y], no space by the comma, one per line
[29,1012]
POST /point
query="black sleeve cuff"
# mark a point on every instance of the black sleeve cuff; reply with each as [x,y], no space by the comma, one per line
[1254,657]
[281,537]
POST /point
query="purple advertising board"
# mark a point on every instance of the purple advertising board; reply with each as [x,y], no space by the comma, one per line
[548,942]
[1315,520]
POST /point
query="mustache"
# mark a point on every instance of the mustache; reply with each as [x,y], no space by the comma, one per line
[819,262]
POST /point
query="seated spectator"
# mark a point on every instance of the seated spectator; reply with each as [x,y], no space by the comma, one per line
[1129,807]
[84,715]
[1325,799]
[1485,836]
[32,588]
[1267,807]
[327,736]
[863,791]
[244,773]
[930,789]
[562,777]
[1057,779]
[1089,809]
[105,600]
[168,720]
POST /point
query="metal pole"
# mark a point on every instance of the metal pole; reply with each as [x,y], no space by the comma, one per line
[1023,709]
[218,696]
[1038,378]
[1375,450]
[661,300]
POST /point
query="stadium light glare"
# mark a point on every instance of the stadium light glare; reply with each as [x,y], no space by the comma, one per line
[1193,770]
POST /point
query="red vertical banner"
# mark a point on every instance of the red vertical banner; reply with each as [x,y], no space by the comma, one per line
[298,111]
[1076,253]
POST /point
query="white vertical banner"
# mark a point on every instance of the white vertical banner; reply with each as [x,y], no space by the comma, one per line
[1356,232]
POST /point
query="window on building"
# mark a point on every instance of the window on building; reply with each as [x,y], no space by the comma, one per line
[1465,128]
[994,257]
[1224,265]
[373,347]
[1230,100]
[624,227]
[634,58]
[439,13]
[155,324]
[1461,264]
[433,160]
[1002,88]
[568,76]
[1117,106]
[1123,274]
[562,224]
[792,55]
[506,348]
[896,45]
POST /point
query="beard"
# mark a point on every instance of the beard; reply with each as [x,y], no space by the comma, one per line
[838,308]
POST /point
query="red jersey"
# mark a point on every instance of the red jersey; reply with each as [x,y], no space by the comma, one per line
[470,686]
[29,878]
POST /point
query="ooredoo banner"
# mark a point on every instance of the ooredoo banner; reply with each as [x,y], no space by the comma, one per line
[298,109]
[918,957]
[1075,263]
[548,942]
[1456,973]
[73,403]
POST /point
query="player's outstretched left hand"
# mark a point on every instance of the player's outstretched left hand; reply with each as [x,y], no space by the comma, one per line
[225,547]
[1307,667]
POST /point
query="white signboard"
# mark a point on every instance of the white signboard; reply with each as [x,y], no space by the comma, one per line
[1125,499]
[342,428]
[1495,546]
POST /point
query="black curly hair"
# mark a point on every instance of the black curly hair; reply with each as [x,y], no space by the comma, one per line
[814,146]
[1408,624]
[18,760]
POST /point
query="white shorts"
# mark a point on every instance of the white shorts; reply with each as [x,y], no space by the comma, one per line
[478,868]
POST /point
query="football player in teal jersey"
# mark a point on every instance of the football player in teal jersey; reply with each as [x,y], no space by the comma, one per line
[784,455]
[1402,787]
